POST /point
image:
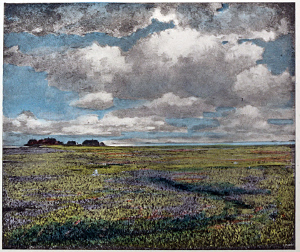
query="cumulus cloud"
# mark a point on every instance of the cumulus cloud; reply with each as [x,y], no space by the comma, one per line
[172,100]
[195,67]
[250,123]
[103,59]
[264,35]
[169,17]
[182,61]
[180,42]
[82,70]
[245,118]
[262,88]
[26,122]
[246,51]
[187,63]
[109,125]
[169,106]
[97,101]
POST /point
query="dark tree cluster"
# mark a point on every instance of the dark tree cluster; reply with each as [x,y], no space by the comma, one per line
[45,141]
[92,143]
[53,141]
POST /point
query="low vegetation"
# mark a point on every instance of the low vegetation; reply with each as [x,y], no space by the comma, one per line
[193,197]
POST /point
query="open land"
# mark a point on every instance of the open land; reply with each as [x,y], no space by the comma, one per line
[188,197]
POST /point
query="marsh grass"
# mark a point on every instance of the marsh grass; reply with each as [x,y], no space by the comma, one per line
[150,197]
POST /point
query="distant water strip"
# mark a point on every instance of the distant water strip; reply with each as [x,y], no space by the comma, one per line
[218,144]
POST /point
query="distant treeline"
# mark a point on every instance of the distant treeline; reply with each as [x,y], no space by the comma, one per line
[53,141]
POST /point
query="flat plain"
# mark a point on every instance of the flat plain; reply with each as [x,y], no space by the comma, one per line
[168,197]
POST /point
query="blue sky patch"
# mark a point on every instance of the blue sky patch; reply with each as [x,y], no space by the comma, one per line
[127,103]
[25,89]
[225,7]
[220,112]
[28,42]
[278,55]
[280,121]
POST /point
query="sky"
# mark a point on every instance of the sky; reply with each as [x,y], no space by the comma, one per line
[143,74]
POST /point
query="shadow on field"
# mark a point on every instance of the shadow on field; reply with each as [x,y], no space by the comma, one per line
[88,233]
[162,180]
[218,189]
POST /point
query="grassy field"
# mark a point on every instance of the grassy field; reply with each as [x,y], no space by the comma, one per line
[190,197]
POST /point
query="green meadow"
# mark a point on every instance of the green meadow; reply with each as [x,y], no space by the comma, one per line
[183,197]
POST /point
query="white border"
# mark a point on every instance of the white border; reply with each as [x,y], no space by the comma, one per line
[297,106]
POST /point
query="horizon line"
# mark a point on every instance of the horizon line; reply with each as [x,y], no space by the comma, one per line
[251,143]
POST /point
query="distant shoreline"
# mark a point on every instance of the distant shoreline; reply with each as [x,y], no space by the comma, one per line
[182,144]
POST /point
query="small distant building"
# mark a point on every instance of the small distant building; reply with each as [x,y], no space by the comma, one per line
[71,143]
[90,143]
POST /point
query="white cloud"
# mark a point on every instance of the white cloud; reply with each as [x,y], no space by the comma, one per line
[26,123]
[104,60]
[99,101]
[181,72]
[169,106]
[82,70]
[259,86]
[264,35]
[109,125]
[249,123]
[283,27]
[146,123]
[181,61]
[86,119]
[172,100]
[249,111]
[180,42]
[247,51]
[246,118]
[171,16]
